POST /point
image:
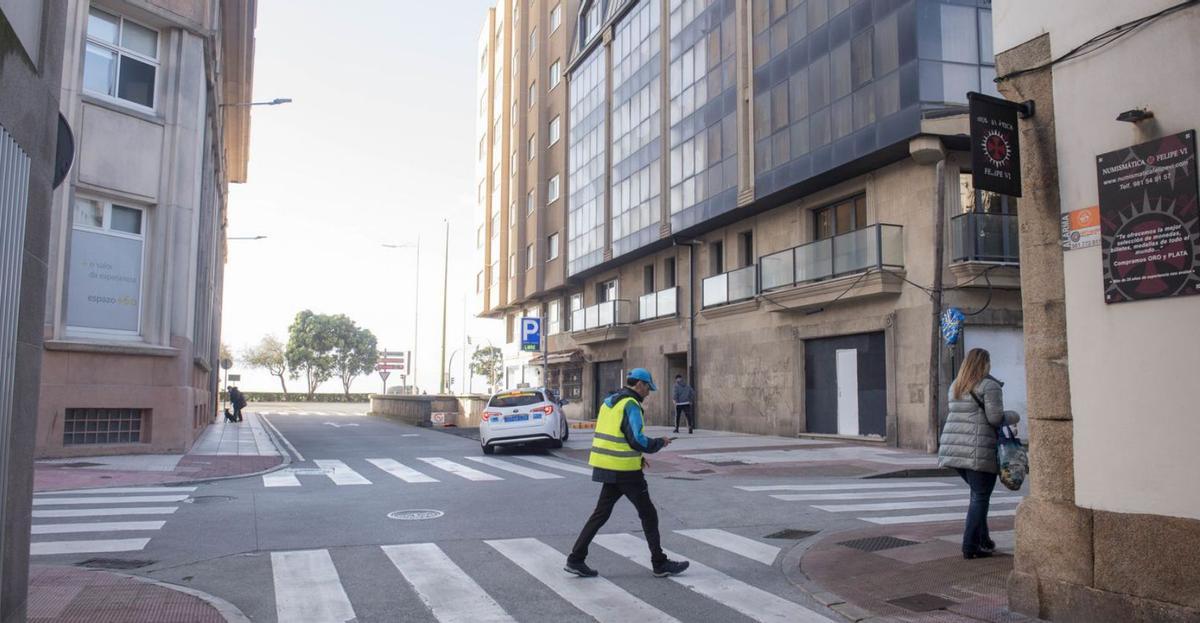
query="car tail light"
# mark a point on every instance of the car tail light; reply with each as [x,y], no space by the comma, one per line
[548,410]
[490,414]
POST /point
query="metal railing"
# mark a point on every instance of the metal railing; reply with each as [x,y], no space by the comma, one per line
[659,304]
[731,287]
[979,237]
[875,246]
[606,314]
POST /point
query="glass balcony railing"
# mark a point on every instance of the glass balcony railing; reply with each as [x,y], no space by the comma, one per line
[606,314]
[731,287]
[659,304]
[979,237]
[877,246]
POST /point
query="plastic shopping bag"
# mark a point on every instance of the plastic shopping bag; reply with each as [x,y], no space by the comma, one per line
[1012,459]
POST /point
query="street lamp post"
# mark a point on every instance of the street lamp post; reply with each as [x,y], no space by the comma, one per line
[412,364]
[275,102]
[445,287]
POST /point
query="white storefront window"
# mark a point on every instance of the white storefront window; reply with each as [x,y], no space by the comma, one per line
[104,275]
[121,61]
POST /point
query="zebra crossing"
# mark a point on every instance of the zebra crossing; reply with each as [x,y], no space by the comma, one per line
[309,585]
[430,469]
[110,520]
[890,503]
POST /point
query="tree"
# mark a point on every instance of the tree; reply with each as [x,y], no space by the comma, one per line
[310,349]
[489,363]
[355,350]
[225,353]
[269,354]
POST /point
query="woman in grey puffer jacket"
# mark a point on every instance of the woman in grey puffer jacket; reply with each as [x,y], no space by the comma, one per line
[968,443]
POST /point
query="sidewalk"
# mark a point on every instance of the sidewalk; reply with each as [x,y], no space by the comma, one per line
[224,450]
[72,595]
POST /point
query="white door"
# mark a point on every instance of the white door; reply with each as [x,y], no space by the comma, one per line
[847,384]
[1006,345]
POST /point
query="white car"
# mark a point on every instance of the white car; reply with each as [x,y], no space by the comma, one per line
[523,417]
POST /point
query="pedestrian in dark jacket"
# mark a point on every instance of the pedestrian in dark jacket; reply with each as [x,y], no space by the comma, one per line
[968,443]
[239,402]
[683,395]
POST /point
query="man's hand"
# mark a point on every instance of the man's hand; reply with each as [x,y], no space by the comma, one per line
[666,441]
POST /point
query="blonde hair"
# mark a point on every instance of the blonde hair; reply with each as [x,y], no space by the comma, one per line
[974,369]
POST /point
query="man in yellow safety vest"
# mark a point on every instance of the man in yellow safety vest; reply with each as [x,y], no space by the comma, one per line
[616,460]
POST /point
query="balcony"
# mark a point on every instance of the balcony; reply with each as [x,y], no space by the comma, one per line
[988,243]
[731,287]
[601,322]
[832,269]
[661,304]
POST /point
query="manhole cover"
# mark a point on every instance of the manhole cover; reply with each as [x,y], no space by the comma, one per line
[415,514]
[209,499]
[792,533]
[114,563]
[877,543]
[922,602]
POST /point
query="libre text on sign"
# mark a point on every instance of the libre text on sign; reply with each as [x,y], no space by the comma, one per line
[995,148]
[1149,219]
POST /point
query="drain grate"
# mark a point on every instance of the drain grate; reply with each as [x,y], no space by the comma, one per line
[922,602]
[877,543]
[792,534]
[209,499]
[115,563]
[79,464]
[417,514]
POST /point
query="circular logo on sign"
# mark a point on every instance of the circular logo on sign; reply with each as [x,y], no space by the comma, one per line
[1149,254]
[996,147]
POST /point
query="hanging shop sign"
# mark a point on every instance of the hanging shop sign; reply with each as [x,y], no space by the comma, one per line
[1149,220]
[995,144]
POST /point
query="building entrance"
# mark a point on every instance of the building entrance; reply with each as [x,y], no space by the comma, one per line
[845,385]
[608,381]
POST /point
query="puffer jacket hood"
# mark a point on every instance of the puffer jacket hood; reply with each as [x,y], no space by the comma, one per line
[968,440]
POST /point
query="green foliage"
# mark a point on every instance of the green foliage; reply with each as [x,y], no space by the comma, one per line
[271,355]
[488,362]
[355,350]
[310,349]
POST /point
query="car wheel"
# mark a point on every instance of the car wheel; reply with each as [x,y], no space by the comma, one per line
[566,432]
[488,449]
[556,444]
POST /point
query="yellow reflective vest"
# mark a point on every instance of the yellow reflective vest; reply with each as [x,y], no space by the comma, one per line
[609,448]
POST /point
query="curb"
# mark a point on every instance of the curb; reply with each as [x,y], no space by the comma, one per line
[790,565]
[230,612]
[583,425]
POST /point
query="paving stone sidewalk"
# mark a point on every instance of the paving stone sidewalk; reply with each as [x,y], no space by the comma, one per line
[73,595]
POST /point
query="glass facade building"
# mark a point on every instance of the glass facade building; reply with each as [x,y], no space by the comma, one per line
[586,163]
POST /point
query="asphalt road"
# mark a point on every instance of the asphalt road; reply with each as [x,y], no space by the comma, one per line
[315,542]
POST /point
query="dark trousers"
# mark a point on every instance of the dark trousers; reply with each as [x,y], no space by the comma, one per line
[975,534]
[639,493]
[237,412]
[685,410]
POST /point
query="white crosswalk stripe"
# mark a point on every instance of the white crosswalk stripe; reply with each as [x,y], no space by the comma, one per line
[746,599]
[735,543]
[109,499]
[341,474]
[598,597]
[100,546]
[563,465]
[112,490]
[864,495]
[934,517]
[101,526]
[281,478]
[105,512]
[904,506]
[851,486]
[536,474]
[403,472]
[458,469]
[308,588]
[101,513]
[444,587]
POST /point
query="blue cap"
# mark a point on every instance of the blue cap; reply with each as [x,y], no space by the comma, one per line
[642,374]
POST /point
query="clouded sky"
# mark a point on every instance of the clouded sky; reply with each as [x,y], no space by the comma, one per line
[377,148]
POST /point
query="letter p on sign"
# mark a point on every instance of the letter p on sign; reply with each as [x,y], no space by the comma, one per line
[531,334]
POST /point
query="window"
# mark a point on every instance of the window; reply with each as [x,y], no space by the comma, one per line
[553,317]
[648,279]
[530,257]
[552,247]
[552,190]
[606,291]
[512,214]
[482,147]
[495,225]
[516,12]
[555,17]
[669,273]
[555,73]
[495,273]
[483,60]
[479,237]
[512,162]
[482,186]
[121,60]
[532,41]
[530,202]
[512,264]
[532,145]
[532,93]
[840,218]
[716,257]
[104,284]
[983,201]
[576,304]
[479,282]
[555,129]
[746,240]
[100,426]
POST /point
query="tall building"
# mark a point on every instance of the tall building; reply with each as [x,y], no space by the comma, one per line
[156,91]
[36,147]
[751,198]
[1111,528]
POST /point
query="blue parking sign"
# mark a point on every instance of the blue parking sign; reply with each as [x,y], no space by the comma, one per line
[531,334]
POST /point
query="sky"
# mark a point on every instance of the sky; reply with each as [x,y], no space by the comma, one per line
[376,148]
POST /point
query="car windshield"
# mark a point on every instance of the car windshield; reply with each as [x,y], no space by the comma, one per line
[516,399]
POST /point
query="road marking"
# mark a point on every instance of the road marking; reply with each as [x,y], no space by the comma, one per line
[899,506]
[510,467]
[411,435]
[341,474]
[846,486]
[279,435]
[735,543]
[462,471]
[548,462]
[104,512]
[109,500]
[443,586]
[748,600]
[886,521]
[863,495]
[403,472]
[119,490]
[597,597]
[335,425]
[51,548]
[281,478]
[101,526]
[307,588]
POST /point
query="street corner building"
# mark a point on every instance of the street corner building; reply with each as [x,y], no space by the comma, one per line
[745,194]
[156,92]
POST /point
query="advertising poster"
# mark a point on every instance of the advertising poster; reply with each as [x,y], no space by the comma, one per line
[1149,220]
[1081,228]
[104,284]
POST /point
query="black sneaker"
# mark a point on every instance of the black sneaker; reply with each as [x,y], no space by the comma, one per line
[670,567]
[580,569]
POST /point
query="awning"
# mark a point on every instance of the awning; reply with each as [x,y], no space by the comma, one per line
[566,356]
